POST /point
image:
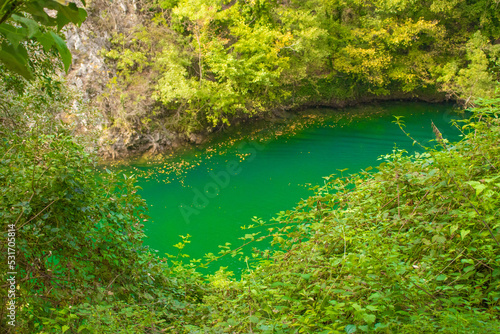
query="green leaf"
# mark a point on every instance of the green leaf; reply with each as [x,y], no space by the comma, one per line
[369,318]
[439,239]
[254,319]
[63,50]
[66,14]
[380,325]
[469,268]
[441,277]
[453,228]
[363,328]
[64,328]
[478,186]
[305,276]
[349,329]
[357,307]
[82,13]
[16,60]
[13,35]
[46,40]
[32,26]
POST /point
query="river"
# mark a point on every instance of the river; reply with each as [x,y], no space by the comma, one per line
[212,190]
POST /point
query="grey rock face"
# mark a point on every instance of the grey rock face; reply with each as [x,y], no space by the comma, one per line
[90,74]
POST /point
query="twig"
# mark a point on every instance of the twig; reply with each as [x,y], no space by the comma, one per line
[397,185]
[112,281]
[418,286]
[37,213]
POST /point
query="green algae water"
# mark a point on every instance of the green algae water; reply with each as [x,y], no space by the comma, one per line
[211,191]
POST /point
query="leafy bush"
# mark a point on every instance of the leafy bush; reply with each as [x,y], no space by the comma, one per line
[78,233]
[31,21]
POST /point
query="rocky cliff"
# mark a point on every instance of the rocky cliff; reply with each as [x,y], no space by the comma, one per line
[94,76]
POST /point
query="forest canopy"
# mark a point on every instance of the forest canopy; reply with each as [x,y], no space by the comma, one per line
[210,63]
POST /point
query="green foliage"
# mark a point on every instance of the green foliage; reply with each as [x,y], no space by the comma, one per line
[80,263]
[221,61]
[127,99]
[477,79]
[231,64]
[23,21]
[412,247]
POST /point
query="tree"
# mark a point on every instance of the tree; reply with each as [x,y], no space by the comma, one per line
[25,21]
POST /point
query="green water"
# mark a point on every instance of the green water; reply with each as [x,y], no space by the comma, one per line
[211,191]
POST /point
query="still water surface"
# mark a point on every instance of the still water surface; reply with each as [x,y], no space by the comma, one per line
[211,191]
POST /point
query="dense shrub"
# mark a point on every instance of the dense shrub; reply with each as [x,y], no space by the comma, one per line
[78,233]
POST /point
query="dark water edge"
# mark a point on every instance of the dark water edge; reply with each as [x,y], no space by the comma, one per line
[137,150]
[210,191]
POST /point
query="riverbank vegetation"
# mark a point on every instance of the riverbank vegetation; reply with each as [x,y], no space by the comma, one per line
[201,65]
[412,246]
